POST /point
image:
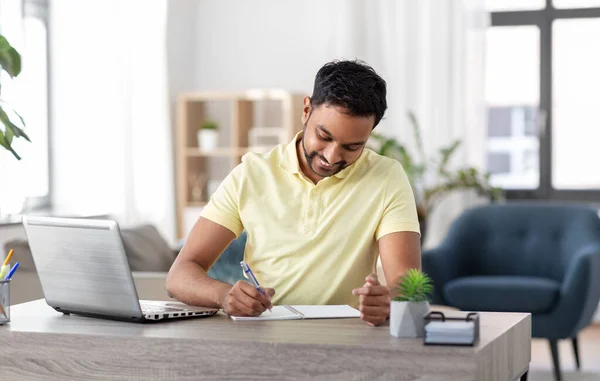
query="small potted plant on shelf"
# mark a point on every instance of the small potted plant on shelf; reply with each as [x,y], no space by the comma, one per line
[411,304]
[208,135]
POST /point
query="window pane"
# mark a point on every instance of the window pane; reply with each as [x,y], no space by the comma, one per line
[512,97]
[575,104]
[515,5]
[576,3]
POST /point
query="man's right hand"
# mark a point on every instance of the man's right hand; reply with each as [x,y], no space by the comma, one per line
[245,300]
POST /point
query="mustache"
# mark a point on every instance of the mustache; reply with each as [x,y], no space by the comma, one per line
[314,154]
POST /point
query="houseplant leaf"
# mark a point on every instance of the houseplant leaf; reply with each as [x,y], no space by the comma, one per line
[18,132]
[414,286]
[446,154]
[446,180]
[417,132]
[10,59]
[4,143]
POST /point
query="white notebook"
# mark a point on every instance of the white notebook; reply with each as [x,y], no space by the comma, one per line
[285,312]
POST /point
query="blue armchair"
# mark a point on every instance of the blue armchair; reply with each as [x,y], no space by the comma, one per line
[227,268]
[536,258]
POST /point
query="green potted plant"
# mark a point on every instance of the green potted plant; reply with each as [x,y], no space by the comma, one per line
[440,180]
[10,61]
[208,135]
[410,304]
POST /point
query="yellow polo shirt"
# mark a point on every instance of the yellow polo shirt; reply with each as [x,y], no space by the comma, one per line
[313,243]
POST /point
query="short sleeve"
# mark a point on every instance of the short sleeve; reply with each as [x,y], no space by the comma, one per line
[400,209]
[223,207]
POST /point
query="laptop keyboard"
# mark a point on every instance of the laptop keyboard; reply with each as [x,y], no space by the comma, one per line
[150,308]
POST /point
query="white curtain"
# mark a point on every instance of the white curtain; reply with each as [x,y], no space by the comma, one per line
[112,136]
[431,54]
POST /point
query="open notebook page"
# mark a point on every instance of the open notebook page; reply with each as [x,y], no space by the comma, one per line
[327,312]
[276,313]
[304,312]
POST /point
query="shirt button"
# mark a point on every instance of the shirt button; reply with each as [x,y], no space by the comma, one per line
[310,214]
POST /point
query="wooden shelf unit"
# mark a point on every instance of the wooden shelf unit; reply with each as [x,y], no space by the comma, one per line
[236,113]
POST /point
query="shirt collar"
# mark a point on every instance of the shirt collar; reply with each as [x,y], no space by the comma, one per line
[289,160]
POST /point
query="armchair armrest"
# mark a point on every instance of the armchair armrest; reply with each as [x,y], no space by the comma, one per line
[580,290]
[442,265]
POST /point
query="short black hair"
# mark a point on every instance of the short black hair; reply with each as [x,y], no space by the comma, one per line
[353,85]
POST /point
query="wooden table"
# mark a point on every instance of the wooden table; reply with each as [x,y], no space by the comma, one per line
[41,344]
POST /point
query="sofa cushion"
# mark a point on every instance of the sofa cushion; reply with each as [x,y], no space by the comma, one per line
[22,254]
[502,293]
[146,249]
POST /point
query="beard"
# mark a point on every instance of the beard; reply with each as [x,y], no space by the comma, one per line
[313,159]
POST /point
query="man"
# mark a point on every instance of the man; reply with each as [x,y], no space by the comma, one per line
[316,211]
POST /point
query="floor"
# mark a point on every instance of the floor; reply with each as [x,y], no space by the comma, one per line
[589,355]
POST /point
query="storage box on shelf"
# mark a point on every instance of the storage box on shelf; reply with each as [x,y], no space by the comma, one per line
[241,119]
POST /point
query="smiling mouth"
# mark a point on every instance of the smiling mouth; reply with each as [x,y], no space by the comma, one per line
[324,165]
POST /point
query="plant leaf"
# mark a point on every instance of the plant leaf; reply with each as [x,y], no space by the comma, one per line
[387,148]
[446,155]
[4,143]
[20,118]
[10,59]
[11,126]
[465,178]
[417,132]
[414,286]
[9,134]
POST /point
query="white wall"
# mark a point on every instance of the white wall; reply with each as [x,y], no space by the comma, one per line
[263,43]
[181,47]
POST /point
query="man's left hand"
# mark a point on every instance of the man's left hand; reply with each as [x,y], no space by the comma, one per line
[374,301]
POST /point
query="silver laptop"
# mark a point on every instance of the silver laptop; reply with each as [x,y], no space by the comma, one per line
[83,269]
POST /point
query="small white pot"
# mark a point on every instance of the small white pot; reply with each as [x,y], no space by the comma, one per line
[406,319]
[208,139]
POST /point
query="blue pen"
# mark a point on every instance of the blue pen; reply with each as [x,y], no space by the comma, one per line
[12,271]
[250,275]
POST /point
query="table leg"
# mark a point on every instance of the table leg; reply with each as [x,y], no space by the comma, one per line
[524,376]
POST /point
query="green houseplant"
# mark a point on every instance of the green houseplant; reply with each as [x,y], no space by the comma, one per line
[208,135]
[410,304]
[209,125]
[430,176]
[10,61]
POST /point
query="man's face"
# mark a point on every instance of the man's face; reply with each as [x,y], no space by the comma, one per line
[332,139]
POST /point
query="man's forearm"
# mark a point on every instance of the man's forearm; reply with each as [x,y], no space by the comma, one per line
[189,283]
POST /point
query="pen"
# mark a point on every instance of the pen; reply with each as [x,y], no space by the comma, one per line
[4,268]
[250,275]
[12,271]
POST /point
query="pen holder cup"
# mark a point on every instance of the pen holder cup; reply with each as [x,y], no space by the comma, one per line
[4,301]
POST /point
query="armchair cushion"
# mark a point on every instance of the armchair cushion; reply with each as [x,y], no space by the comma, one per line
[502,293]
[227,268]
